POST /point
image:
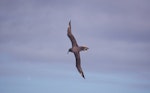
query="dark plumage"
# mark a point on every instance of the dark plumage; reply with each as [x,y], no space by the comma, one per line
[76,50]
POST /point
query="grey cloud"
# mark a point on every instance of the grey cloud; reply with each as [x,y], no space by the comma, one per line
[117,32]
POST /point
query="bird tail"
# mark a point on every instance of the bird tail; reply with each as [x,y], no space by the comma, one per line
[83,48]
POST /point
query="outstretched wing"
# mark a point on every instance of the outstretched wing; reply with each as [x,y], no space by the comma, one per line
[78,64]
[73,40]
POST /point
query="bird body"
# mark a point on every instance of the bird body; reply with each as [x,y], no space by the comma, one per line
[76,50]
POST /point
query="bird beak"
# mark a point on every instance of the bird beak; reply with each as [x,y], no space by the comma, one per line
[87,48]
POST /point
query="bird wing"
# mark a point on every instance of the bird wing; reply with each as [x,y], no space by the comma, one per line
[73,40]
[78,63]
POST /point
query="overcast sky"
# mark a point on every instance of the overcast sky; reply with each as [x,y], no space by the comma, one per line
[34,45]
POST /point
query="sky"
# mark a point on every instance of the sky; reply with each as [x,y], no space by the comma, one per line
[34,45]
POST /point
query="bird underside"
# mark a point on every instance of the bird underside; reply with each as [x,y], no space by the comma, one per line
[76,50]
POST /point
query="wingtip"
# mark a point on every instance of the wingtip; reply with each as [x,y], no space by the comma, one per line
[70,22]
[83,75]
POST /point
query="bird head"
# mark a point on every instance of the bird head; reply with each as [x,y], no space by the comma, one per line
[69,50]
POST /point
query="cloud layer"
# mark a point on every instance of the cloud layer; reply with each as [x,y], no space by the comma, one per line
[117,33]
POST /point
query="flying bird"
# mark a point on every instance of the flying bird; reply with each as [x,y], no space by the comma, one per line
[76,50]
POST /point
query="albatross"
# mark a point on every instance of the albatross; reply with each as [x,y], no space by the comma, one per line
[76,50]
